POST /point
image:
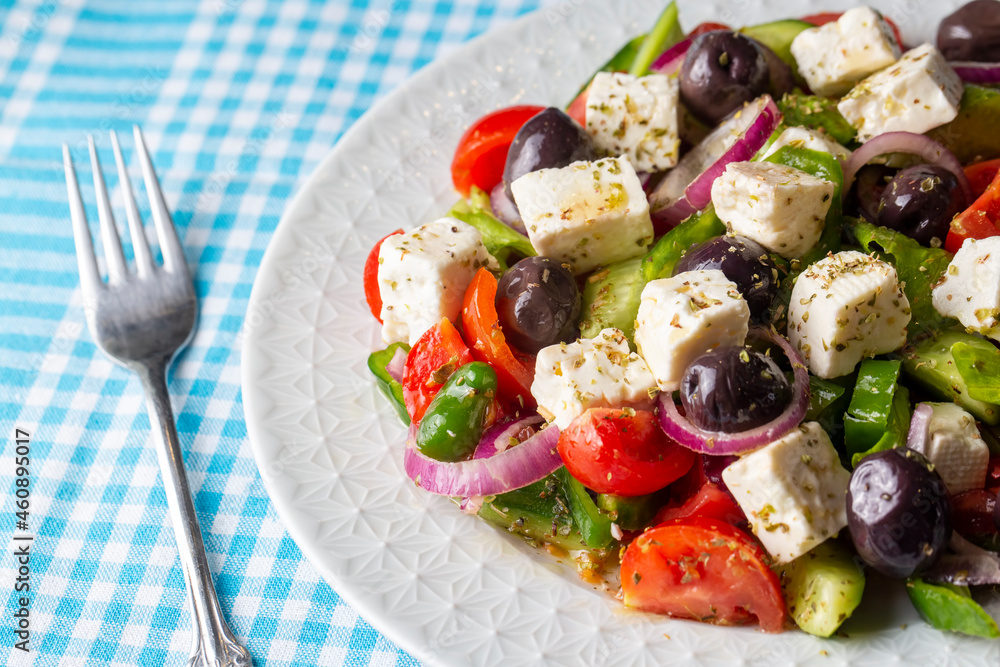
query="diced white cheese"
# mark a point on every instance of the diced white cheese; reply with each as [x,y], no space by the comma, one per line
[956,449]
[422,276]
[917,94]
[833,57]
[804,137]
[683,317]
[844,308]
[597,372]
[793,491]
[635,117]
[585,214]
[970,289]
[782,208]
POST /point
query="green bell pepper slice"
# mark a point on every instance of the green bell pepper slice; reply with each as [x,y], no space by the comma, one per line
[949,607]
[665,33]
[594,525]
[390,388]
[816,113]
[453,424]
[661,259]
[978,362]
[867,417]
[505,244]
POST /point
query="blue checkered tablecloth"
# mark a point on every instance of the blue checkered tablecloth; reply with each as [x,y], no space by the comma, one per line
[239,100]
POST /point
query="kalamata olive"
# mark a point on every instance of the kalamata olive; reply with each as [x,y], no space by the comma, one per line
[722,70]
[869,185]
[898,512]
[744,261]
[733,389]
[538,304]
[920,202]
[972,33]
[549,140]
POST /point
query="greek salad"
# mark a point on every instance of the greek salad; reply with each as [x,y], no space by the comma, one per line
[728,322]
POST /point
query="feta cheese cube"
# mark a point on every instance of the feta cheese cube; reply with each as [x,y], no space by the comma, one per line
[833,57]
[422,276]
[683,317]
[585,214]
[970,289]
[635,117]
[597,372]
[782,208]
[793,491]
[956,449]
[844,308]
[804,137]
[918,93]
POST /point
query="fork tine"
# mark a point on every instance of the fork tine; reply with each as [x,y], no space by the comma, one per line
[90,279]
[140,246]
[170,245]
[109,232]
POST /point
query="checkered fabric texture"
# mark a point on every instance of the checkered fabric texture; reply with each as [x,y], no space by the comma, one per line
[239,100]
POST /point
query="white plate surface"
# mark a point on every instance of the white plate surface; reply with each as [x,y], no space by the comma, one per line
[447,587]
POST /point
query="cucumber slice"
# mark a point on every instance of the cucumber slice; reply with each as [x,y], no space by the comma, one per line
[778,36]
[972,135]
[822,588]
[611,299]
[539,511]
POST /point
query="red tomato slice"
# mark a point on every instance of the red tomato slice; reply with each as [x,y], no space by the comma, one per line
[372,294]
[578,108]
[703,569]
[708,26]
[829,17]
[710,501]
[622,451]
[436,355]
[979,221]
[981,174]
[482,329]
[482,150]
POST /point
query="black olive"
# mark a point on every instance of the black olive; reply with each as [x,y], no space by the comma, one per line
[744,261]
[549,140]
[898,512]
[722,71]
[920,202]
[538,304]
[972,33]
[733,389]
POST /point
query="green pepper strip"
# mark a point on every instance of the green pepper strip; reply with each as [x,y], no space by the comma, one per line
[817,113]
[867,417]
[594,525]
[666,33]
[661,259]
[822,395]
[453,424]
[978,362]
[501,241]
[898,427]
[949,607]
[391,389]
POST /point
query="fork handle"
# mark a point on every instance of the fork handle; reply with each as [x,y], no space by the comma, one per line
[213,642]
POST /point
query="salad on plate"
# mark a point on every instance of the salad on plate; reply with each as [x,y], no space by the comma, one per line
[723,332]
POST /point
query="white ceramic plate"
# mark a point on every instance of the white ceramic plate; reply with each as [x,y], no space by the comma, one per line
[447,587]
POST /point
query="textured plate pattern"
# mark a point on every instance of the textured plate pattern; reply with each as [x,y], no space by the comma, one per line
[444,585]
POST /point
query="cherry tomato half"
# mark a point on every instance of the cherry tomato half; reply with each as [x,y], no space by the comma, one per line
[482,150]
[372,294]
[703,569]
[482,329]
[708,26]
[622,451]
[435,356]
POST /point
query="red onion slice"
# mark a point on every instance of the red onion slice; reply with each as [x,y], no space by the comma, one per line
[913,144]
[670,61]
[497,438]
[920,424]
[718,443]
[511,469]
[973,72]
[395,366]
[505,210]
[688,186]
[969,565]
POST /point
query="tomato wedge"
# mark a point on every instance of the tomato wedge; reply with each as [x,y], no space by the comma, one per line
[482,150]
[710,501]
[707,26]
[823,18]
[979,221]
[482,329]
[624,452]
[436,355]
[372,294]
[981,174]
[702,569]
[578,108]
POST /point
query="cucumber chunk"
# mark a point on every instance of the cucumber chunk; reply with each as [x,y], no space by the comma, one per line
[539,511]
[778,36]
[972,135]
[822,588]
[611,299]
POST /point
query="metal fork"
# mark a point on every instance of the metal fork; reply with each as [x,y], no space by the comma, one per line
[141,320]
